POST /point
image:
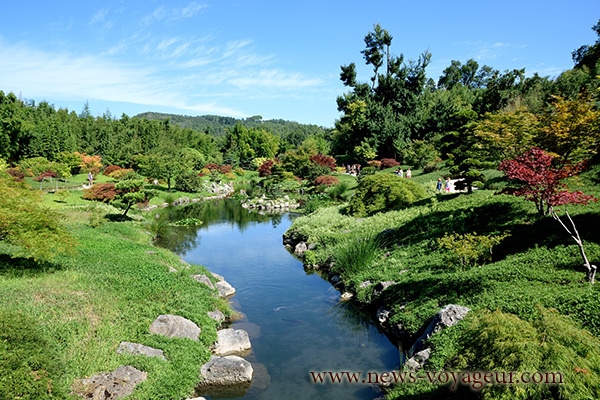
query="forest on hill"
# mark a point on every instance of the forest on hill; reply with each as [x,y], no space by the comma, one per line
[215,125]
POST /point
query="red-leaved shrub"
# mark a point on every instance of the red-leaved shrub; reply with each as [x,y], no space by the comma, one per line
[265,168]
[212,166]
[111,168]
[325,161]
[326,180]
[388,163]
[44,175]
[16,173]
[225,169]
[100,192]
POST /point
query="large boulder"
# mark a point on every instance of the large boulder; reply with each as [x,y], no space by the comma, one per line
[223,287]
[111,385]
[232,341]
[175,326]
[229,376]
[446,317]
[417,361]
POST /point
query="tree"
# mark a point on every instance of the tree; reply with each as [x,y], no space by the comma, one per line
[35,230]
[572,128]
[541,181]
[388,110]
[507,133]
[466,156]
[129,193]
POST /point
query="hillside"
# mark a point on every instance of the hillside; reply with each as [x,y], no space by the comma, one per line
[218,125]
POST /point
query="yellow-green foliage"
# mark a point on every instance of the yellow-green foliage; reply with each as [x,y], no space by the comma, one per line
[36,230]
[469,249]
[551,343]
[384,192]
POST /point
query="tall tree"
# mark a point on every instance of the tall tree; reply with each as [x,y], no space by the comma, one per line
[388,110]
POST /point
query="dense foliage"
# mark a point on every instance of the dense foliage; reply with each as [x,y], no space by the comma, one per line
[36,231]
[384,192]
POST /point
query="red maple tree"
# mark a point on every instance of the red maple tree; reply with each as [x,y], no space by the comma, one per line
[540,179]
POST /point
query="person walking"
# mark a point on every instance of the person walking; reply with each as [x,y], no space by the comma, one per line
[438,186]
[447,185]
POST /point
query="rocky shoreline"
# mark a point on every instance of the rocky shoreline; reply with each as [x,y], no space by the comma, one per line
[227,372]
[411,347]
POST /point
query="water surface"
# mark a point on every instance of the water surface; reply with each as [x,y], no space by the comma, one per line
[295,320]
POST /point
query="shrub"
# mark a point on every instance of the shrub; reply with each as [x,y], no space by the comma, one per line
[498,341]
[123,173]
[239,171]
[384,192]
[110,169]
[326,180]
[265,168]
[35,166]
[468,250]
[187,181]
[212,167]
[388,163]
[375,164]
[30,365]
[313,171]
[104,192]
[338,191]
[45,175]
[225,169]
[324,161]
[366,171]
[88,163]
[16,173]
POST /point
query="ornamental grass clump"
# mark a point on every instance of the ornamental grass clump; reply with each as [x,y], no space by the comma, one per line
[356,254]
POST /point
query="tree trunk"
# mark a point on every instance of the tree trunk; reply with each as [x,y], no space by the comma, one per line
[591,268]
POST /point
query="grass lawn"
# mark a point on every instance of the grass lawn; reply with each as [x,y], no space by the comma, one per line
[64,320]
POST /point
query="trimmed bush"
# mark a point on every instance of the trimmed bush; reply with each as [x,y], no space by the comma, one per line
[188,181]
[104,192]
[384,192]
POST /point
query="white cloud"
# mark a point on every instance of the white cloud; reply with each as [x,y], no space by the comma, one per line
[161,13]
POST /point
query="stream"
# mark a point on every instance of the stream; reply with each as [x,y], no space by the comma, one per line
[297,325]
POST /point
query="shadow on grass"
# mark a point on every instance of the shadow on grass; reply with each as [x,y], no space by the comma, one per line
[484,220]
[19,266]
[118,217]
[548,233]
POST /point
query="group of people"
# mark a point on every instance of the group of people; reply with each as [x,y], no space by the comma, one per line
[443,185]
[400,173]
[353,169]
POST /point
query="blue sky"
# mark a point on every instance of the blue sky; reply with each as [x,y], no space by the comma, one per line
[279,59]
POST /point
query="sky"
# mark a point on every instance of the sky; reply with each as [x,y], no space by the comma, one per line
[279,59]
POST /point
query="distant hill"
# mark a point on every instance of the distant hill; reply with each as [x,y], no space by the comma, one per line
[215,125]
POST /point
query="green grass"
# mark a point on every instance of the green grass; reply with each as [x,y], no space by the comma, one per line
[78,309]
[537,265]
